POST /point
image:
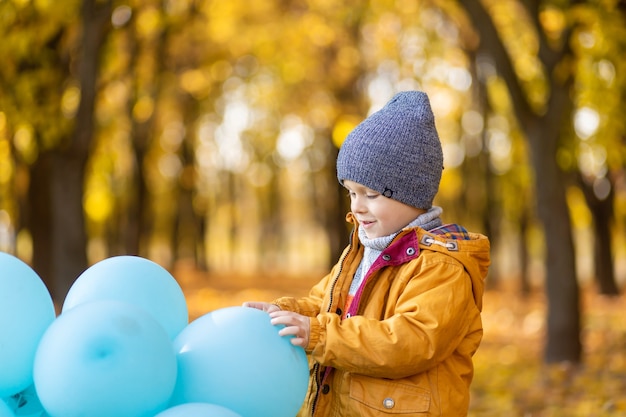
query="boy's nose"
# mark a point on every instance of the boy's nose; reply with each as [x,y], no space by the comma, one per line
[357,205]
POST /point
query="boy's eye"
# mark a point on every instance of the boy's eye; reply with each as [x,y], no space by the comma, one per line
[353,195]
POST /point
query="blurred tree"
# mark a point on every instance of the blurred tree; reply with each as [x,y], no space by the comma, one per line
[339,74]
[598,41]
[147,112]
[63,169]
[43,91]
[541,90]
[542,123]
[603,216]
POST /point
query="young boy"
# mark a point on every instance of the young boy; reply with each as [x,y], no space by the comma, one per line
[393,327]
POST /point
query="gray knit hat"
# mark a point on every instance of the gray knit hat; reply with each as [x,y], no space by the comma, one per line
[396,151]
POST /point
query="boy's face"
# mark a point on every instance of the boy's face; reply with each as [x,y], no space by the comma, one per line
[378,215]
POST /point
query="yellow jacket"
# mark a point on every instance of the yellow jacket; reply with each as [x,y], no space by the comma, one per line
[408,348]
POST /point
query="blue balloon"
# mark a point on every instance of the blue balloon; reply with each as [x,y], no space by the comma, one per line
[197,410]
[26,404]
[5,411]
[26,311]
[105,358]
[235,358]
[137,281]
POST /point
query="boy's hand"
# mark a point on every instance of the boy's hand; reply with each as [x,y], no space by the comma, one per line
[259,305]
[295,324]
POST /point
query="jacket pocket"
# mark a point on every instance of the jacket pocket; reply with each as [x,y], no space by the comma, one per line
[388,396]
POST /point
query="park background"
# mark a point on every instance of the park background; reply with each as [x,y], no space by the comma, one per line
[202,135]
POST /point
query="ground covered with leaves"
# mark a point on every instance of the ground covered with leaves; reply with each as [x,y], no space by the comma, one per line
[511,378]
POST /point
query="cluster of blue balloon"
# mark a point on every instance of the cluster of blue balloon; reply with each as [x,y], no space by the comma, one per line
[123,346]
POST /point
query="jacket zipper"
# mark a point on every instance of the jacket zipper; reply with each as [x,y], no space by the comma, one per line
[316,367]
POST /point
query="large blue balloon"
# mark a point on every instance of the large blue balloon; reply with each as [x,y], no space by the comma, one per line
[137,281]
[102,359]
[235,358]
[26,311]
[5,411]
[198,410]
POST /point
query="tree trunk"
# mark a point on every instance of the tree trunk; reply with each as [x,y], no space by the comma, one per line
[603,254]
[137,221]
[602,214]
[272,230]
[188,236]
[336,215]
[56,221]
[38,218]
[563,321]
[56,200]
[69,239]
[524,255]
[491,213]
[543,134]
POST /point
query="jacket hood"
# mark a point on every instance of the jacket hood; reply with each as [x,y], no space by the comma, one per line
[472,250]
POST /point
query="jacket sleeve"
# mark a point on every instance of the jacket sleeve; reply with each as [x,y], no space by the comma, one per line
[432,313]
